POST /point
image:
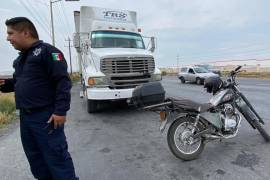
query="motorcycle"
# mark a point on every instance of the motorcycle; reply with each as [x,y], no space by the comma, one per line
[194,124]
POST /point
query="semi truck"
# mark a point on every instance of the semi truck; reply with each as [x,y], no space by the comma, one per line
[113,57]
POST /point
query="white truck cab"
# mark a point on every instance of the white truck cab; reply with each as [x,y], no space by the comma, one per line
[112,55]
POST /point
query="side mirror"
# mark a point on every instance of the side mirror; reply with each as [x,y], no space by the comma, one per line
[153,44]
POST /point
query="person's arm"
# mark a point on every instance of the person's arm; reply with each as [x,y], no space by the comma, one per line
[57,69]
[7,85]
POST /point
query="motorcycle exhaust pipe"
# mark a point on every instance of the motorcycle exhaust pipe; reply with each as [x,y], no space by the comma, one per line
[212,137]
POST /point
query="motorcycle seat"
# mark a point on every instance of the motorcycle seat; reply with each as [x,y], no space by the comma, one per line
[190,105]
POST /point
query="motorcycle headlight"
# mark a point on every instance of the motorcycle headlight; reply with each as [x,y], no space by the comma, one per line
[156,77]
[97,81]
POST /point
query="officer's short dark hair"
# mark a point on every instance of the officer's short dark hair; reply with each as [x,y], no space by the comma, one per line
[22,23]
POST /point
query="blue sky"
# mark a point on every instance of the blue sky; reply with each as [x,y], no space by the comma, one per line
[196,30]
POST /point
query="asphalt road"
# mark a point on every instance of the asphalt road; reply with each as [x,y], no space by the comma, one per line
[122,143]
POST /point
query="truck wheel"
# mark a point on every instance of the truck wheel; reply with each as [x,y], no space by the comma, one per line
[92,106]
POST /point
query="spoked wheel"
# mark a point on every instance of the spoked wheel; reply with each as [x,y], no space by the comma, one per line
[181,142]
[259,127]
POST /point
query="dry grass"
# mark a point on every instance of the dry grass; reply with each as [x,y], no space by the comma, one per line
[7,108]
[264,75]
[75,77]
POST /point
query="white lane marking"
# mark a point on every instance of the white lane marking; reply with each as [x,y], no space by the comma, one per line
[263,84]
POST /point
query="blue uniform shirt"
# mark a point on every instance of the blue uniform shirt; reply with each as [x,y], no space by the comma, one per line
[40,79]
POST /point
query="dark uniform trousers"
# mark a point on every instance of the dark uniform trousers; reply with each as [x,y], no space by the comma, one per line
[46,149]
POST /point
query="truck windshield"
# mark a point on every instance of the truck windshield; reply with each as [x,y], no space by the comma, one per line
[111,39]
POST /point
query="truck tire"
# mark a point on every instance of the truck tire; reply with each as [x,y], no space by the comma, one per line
[92,106]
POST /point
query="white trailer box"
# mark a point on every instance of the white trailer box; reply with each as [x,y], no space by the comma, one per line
[112,55]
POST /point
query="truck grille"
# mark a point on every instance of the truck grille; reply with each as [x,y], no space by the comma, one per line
[128,72]
[127,65]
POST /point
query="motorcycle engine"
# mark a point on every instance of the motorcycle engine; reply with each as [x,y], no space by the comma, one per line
[229,118]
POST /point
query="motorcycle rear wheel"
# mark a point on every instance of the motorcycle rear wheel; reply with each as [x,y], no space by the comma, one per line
[176,139]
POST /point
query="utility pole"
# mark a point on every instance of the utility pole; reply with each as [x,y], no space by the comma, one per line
[177,58]
[69,49]
[52,26]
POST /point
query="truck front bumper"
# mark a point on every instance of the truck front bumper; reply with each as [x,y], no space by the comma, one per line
[108,94]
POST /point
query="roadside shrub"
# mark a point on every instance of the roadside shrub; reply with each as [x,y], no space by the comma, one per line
[7,104]
[5,118]
[75,77]
[7,108]
[163,73]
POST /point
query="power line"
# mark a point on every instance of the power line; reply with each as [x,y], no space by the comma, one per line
[46,19]
[65,16]
[41,2]
[33,15]
[60,21]
[43,19]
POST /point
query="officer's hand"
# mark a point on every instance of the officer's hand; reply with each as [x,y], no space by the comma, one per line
[57,120]
[2,82]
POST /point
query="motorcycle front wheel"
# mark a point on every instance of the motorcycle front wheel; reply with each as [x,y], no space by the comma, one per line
[180,140]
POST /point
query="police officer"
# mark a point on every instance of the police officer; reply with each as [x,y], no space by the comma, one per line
[42,94]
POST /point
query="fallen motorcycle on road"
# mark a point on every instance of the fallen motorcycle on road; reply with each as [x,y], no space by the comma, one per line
[194,124]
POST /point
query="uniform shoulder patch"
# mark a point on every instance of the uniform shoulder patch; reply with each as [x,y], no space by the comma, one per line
[57,56]
[37,51]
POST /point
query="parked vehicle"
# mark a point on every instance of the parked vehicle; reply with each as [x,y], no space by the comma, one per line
[113,58]
[194,124]
[209,68]
[195,74]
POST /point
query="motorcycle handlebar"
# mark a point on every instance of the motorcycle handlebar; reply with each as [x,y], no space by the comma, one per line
[238,68]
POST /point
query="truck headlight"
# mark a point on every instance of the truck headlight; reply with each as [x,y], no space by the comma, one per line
[97,81]
[156,77]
